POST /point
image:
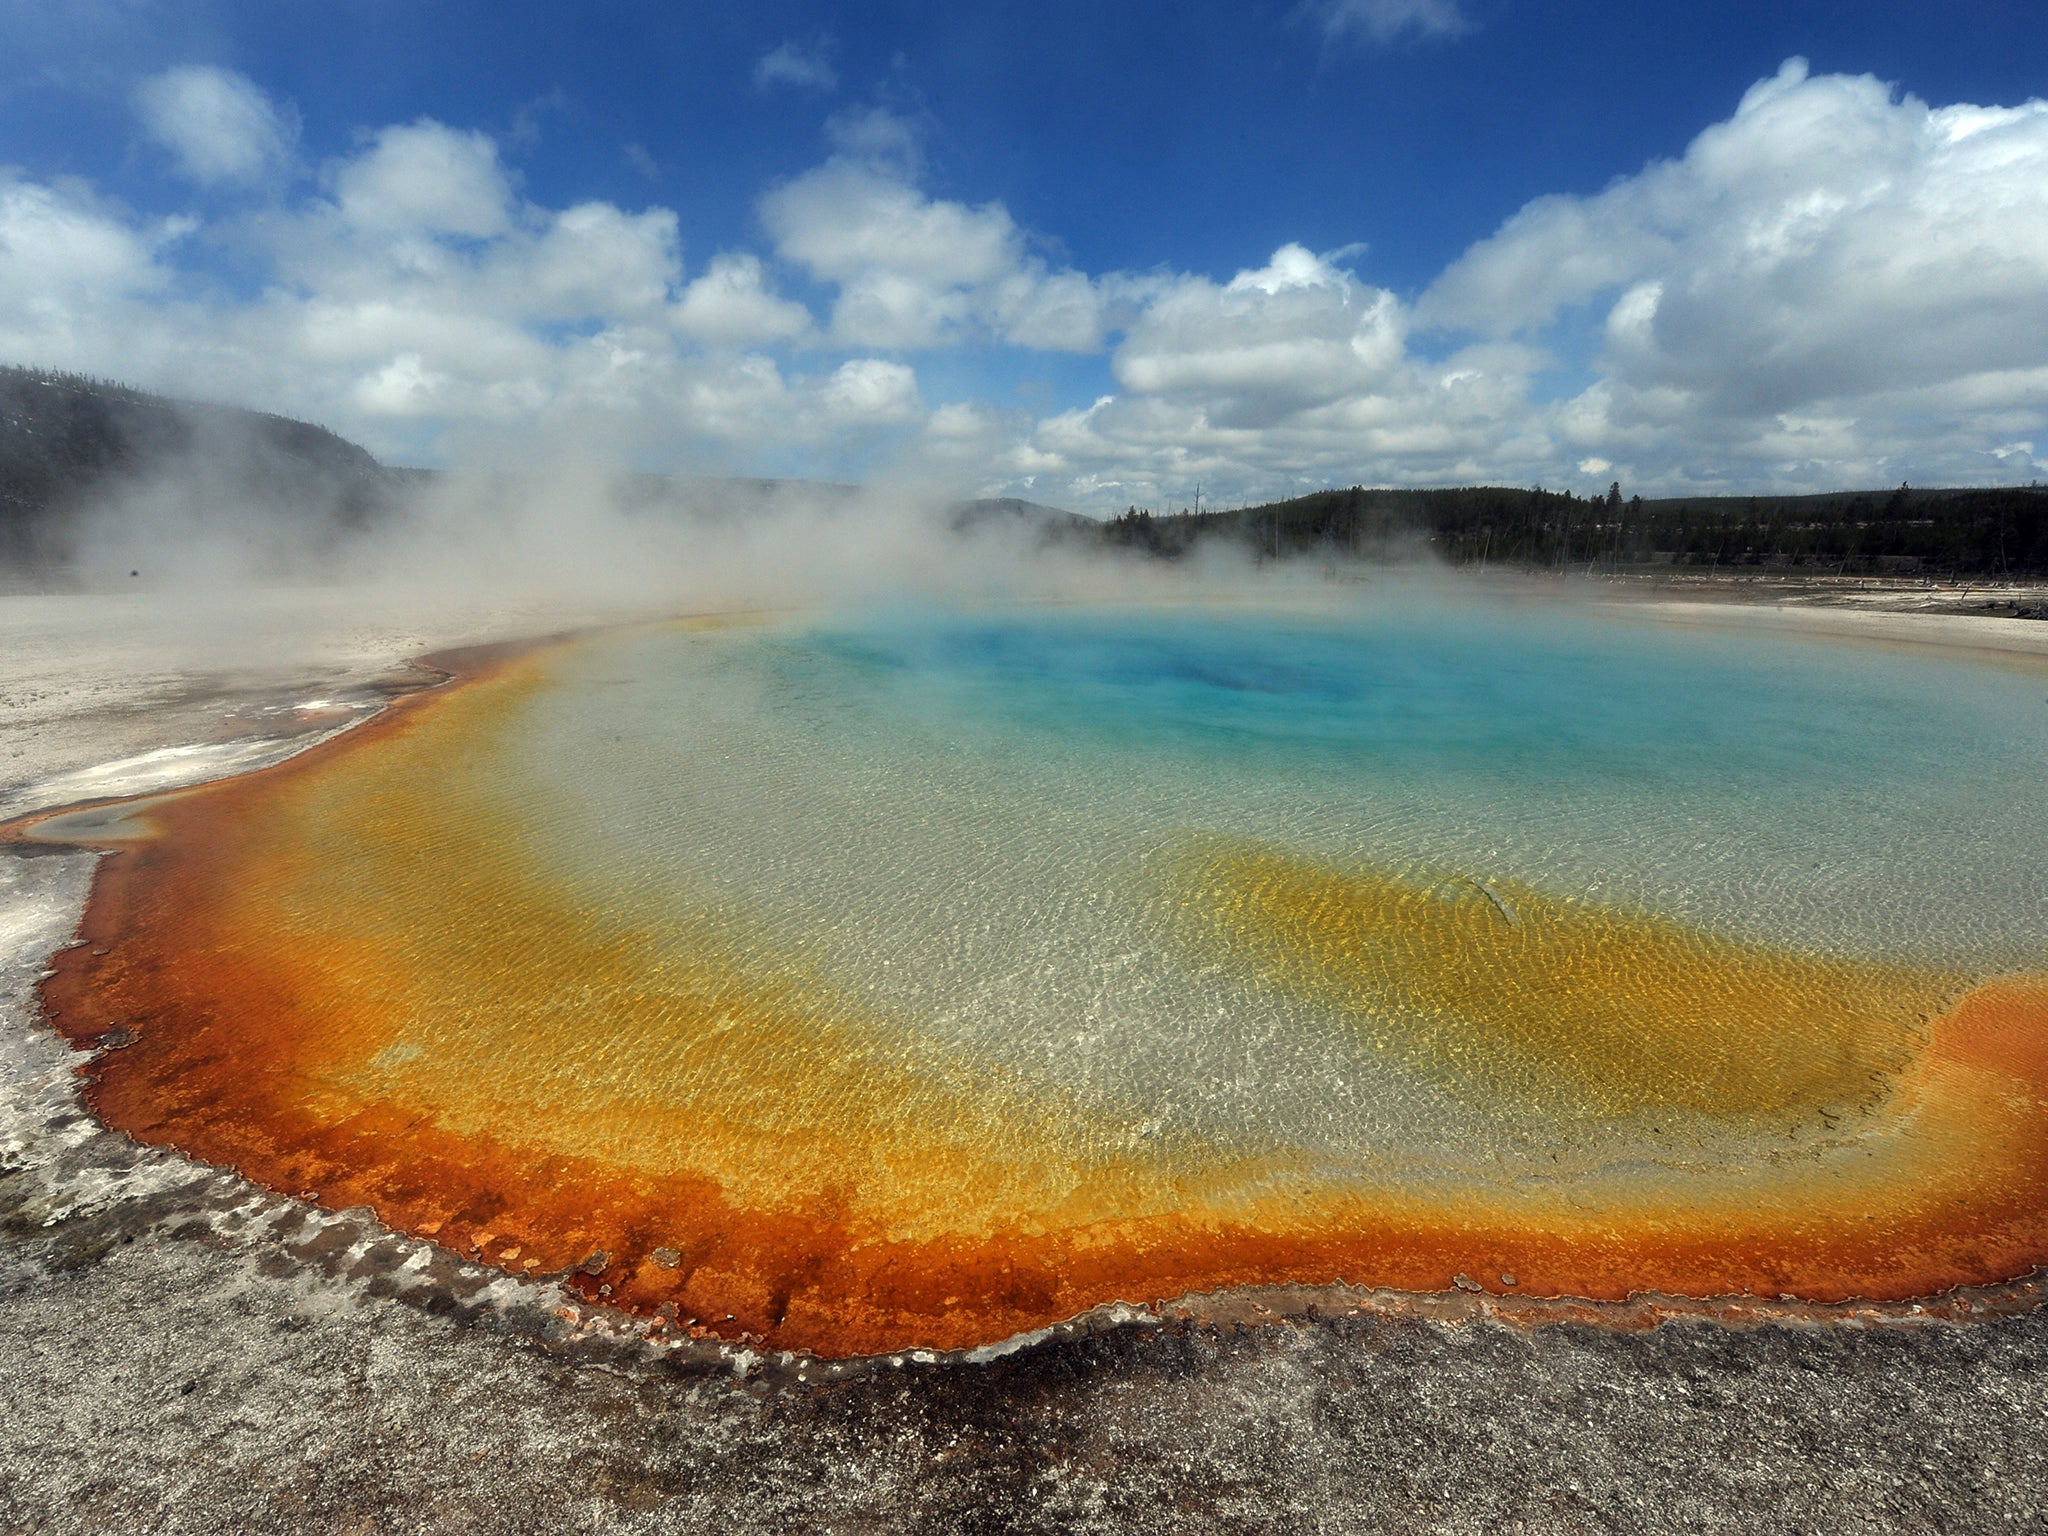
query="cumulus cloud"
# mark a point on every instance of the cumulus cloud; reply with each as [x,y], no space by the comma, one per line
[58,243]
[806,66]
[219,126]
[871,392]
[79,279]
[412,313]
[1382,21]
[847,218]
[732,305]
[1294,332]
[592,261]
[1834,265]
[1836,285]
[429,179]
[1063,311]
[421,302]
[1291,374]
[914,271]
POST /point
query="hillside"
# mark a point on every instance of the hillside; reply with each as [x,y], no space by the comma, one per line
[68,443]
[998,511]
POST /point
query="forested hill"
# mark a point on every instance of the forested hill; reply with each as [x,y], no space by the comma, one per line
[1906,530]
[67,441]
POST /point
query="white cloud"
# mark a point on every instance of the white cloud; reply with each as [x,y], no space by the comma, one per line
[592,261]
[807,66]
[731,305]
[848,218]
[1063,311]
[405,386]
[219,125]
[1295,332]
[1382,21]
[457,311]
[1290,375]
[1555,252]
[869,391]
[1834,286]
[428,179]
[915,271]
[1826,224]
[81,284]
[1832,253]
[1457,422]
[425,303]
[57,244]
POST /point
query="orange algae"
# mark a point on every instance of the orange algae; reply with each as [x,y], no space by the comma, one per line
[345,977]
[1509,991]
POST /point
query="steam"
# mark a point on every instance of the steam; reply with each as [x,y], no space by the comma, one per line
[574,539]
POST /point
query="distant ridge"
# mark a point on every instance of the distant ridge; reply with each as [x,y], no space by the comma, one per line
[986,510]
[1907,530]
[67,440]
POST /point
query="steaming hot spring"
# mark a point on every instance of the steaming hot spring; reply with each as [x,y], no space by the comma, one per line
[920,978]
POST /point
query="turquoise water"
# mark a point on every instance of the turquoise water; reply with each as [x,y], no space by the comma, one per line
[1508,700]
[961,819]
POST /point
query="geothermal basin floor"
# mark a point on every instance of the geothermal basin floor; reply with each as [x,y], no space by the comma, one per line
[184,1351]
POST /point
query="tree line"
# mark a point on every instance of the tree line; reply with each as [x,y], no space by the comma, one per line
[1907,530]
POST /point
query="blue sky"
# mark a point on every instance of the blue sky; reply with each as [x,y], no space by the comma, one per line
[1089,253]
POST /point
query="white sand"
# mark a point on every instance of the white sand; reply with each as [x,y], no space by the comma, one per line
[107,695]
[2012,637]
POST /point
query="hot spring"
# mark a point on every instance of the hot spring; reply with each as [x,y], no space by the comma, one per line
[919,978]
